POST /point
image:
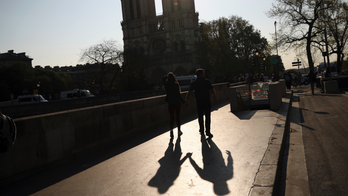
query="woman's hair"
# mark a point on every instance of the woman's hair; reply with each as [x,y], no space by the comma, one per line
[171,78]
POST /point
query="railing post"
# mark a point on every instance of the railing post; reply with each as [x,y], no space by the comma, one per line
[283,87]
[275,95]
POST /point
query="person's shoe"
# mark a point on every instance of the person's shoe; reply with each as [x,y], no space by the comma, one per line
[171,134]
[179,133]
[209,135]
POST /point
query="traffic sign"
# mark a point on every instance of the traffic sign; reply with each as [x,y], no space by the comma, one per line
[274,60]
[298,63]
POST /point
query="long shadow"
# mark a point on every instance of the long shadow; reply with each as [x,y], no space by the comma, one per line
[74,165]
[217,106]
[214,169]
[298,98]
[245,115]
[170,167]
[286,141]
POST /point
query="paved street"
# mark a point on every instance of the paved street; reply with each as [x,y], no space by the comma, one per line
[152,164]
[323,154]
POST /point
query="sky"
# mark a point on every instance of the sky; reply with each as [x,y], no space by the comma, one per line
[54,32]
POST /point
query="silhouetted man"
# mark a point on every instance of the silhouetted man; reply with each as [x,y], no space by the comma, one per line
[202,88]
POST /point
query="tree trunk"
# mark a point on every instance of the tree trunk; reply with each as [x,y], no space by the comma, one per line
[339,62]
[102,67]
[309,53]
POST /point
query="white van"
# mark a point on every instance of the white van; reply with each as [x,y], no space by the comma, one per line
[185,81]
[76,93]
[30,99]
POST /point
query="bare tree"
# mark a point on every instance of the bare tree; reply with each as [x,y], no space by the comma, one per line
[108,57]
[337,21]
[298,23]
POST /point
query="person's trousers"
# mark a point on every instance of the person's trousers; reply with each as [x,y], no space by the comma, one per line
[174,109]
[312,86]
[204,109]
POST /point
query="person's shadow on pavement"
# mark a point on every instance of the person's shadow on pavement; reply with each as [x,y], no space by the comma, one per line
[214,168]
[170,167]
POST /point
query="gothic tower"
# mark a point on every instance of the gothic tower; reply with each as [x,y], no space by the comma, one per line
[168,39]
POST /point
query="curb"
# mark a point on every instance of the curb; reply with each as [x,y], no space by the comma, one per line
[267,178]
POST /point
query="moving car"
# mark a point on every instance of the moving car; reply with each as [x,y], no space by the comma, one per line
[185,81]
[30,99]
[76,93]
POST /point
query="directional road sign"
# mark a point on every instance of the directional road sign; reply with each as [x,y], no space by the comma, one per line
[298,63]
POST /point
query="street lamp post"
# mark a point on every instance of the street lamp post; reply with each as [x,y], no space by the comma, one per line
[38,87]
[277,67]
[257,61]
[263,67]
[275,27]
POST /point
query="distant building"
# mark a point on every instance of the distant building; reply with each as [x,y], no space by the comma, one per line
[11,58]
[84,76]
[168,40]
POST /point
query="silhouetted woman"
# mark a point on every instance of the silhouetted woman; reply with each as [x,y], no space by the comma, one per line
[174,100]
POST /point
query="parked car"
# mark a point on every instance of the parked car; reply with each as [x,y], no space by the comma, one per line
[30,99]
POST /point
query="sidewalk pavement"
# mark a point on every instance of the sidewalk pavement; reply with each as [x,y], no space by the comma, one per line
[241,159]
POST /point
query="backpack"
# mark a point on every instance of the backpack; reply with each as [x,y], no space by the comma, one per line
[287,78]
[8,133]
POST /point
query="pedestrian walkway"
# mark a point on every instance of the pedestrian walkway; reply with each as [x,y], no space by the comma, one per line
[153,164]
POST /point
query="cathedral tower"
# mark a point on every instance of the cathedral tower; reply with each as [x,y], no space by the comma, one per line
[177,6]
[168,39]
